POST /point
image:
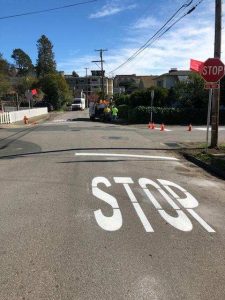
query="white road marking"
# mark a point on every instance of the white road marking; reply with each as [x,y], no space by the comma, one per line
[114,222]
[158,128]
[126,181]
[204,128]
[200,220]
[181,221]
[126,155]
[143,218]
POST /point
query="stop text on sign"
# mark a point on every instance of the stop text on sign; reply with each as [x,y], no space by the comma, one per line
[213,70]
[183,205]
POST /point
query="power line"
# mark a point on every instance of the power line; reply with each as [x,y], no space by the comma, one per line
[176,13]
[155,37]
[47,10]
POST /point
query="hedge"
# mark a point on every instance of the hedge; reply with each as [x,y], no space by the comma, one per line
[170,116]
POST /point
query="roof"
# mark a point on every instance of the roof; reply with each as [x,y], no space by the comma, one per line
[176,73]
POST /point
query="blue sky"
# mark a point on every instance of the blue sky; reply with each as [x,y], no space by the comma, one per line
[121,26]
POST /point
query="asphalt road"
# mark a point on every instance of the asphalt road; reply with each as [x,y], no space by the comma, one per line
[101,211]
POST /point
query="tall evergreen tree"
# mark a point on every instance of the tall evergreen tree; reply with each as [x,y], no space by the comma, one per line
[4,65]
[22,61]
[45,63]
[5,84]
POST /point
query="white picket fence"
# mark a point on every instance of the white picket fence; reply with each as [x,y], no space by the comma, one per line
[15,116]
[4,118]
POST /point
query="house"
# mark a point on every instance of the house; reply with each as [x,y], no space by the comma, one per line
[90,85]
[170,79]
[129,83]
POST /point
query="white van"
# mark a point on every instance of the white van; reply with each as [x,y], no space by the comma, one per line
[78,104]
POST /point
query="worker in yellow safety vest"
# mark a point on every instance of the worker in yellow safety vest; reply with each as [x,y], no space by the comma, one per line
[114,113]
[107,113]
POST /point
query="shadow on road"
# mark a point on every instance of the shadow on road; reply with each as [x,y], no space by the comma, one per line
[91,149]
[79,119]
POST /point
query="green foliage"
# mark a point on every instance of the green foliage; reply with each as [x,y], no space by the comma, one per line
[123,111]
[22,62]
[222,91]
[4,65]
[121,99]
[130,85]
[45,62]
[170,116]
[5,85]
[74,74]
[143,97]
[161,96]
[25,83]
[55,89]
[191,93]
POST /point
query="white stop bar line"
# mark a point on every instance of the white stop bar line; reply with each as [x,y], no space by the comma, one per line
[126,155]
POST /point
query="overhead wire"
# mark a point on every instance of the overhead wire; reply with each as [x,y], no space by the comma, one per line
[47,10]
[159,32]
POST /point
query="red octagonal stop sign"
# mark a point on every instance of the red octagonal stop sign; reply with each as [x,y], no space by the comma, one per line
[212,70]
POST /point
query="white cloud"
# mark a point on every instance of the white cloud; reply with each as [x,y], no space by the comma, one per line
[192,37]
[145,23]
[111,8]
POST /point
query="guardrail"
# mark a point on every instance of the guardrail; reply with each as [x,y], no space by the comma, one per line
[15,116]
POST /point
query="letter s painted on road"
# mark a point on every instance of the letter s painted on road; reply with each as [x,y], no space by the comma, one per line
[114,222]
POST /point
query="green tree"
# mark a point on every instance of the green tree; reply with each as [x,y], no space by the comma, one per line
[191,93]
[55,89]
[4,65]
[5,84]
[222,91]
[74,74]
[130,85]
[22,61]
[45,63]
[143,97]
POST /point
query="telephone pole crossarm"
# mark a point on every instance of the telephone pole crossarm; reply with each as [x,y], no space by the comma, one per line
[102,69]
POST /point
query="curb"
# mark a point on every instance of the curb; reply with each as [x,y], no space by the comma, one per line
[210,169]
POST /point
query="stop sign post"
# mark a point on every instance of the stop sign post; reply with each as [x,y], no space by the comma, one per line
[212,70]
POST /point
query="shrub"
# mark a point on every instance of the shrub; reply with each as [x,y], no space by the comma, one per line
[123,111]
[171,116]
[121,100]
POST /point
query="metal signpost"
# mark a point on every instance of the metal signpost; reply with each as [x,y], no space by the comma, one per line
[29,96]
[152,98]
[212,70]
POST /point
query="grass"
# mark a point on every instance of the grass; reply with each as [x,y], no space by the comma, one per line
[213,157]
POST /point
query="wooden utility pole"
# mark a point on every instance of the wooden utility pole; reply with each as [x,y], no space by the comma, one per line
[86,89]
[216,93]
[102,70]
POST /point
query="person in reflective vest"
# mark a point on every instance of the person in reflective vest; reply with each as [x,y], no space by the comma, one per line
[107,113]
[114,113]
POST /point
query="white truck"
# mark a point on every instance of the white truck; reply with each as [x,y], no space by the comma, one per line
[78,104]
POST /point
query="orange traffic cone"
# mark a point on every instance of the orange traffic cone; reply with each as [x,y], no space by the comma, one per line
[189,127]
[162,127]
[149,125]
[153,126]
